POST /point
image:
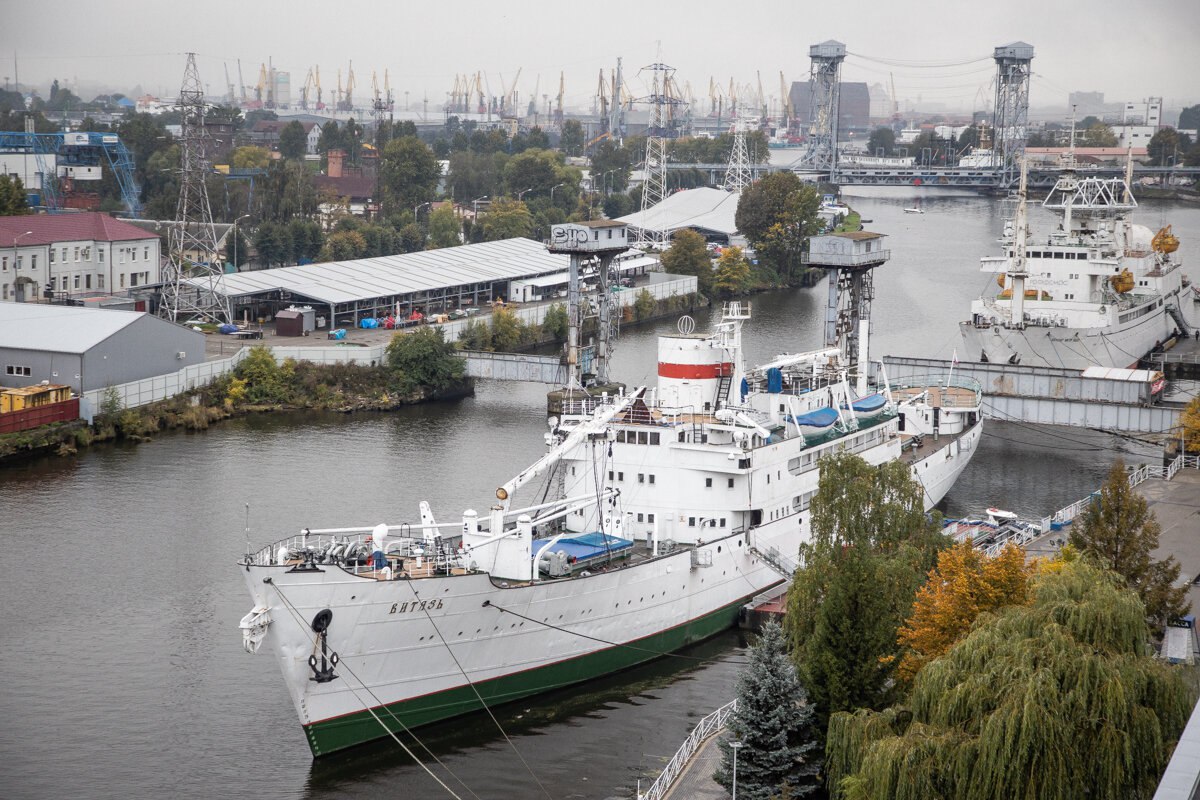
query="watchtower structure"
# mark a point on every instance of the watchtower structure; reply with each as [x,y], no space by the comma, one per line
[597,242]
[850,258]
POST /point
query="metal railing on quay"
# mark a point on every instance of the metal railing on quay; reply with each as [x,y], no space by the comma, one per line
[712,724]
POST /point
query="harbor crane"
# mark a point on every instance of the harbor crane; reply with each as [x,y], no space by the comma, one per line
[558,109]
[229,97]
[241,82]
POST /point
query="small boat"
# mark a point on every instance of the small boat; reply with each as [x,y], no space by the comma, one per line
[998,515]
[821,418]
[914,210]
[868,406]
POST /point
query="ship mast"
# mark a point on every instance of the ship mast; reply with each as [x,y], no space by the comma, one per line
[1017,271]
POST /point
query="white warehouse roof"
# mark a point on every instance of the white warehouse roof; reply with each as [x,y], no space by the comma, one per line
[406,273]
[59,329]
[704,209]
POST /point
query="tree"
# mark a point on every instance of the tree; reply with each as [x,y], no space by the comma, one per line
[871,546]
[556,322]
[1098,135]
[506,330]
[507,219]
[1189,118]
[733,273]
[250,157]
[688,255]
[1165,146]
[777,214]
[12,197]
[964,584]
[571,139]
[644,305]
[412,238]
[273,243]
[445,229]
[408,175]
[237,247]
[775,724]
[882,139]
[288,190]
[293,141]
[424,359]
[344,246]
[1059,698]
[1120,532]
[969,138]
[1189,420]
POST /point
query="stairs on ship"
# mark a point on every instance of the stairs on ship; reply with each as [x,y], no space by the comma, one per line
[723,390]
[1177,315]
[776,561]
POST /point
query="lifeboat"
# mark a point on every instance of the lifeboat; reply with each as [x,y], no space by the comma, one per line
[1123,282]
[1030,294]
[1164,241]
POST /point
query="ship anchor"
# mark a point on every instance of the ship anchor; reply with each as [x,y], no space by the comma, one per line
[324,673]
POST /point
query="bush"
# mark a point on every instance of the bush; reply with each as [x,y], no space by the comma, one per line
[556,322]
[424,359]
[644,305]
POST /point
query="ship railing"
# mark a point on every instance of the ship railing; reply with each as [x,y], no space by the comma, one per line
[944,381]
[711,725]
[1136,476]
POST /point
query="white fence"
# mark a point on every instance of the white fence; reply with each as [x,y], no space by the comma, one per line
[1068,515]
[712,724]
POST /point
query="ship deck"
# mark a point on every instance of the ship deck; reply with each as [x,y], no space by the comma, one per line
[940,396]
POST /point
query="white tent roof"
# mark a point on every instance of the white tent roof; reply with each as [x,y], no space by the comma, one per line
[704,209]
[59,329]
[406,273]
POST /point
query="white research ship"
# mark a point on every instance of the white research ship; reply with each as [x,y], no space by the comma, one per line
[658,514]
[1100,290]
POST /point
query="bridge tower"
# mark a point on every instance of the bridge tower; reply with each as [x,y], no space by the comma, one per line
[1010,124]
[824,83]
[191,239]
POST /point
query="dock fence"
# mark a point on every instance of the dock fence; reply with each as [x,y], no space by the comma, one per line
[712,724]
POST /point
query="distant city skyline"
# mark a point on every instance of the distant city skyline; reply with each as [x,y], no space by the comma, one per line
[940,60]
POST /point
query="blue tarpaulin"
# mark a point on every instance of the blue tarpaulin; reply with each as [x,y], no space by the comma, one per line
[585,545]
[774,380]
[821,418]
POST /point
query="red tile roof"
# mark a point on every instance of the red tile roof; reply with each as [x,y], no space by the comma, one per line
[51,228]
[354,187]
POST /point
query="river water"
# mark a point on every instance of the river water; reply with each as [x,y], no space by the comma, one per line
[121,660]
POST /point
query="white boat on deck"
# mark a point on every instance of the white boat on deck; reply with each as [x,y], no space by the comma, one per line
[656,515]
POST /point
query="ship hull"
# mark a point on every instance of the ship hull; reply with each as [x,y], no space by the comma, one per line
[1067,348]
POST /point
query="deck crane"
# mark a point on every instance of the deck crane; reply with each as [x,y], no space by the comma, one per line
[785,104]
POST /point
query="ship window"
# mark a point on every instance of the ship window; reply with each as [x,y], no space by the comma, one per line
[641,477]
[768,478]
[708,483]
[610,474]
[731,483]
[650,518]
[643,437]
[652,479]
[572,472]
[691,522]
[621,476]
[621,436]
[654,439]
[639,517]
[722,522]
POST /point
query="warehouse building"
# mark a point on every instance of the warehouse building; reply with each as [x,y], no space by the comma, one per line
[90,348]
[430,282]
[709,212]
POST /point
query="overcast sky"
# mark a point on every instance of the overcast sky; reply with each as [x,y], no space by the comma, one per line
[939,52]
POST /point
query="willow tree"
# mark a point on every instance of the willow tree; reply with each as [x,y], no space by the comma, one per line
[871,547]
[1052,700]
[774,723]
[1119,530]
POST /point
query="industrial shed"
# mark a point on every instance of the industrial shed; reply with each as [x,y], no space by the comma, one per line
[90,348]
[709,212]
[431,281]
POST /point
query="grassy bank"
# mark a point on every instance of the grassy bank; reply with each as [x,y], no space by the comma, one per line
[419,368]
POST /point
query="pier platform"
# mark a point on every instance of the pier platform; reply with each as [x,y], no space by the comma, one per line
[695,782]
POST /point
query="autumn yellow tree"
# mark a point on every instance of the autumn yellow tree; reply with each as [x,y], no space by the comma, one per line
[964,584]
[1190,420]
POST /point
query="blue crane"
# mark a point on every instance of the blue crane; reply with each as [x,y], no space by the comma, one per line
[52,151]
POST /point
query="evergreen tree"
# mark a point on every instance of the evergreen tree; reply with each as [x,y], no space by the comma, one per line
[445,229]
[1120,531]
[775,724]
[689,256]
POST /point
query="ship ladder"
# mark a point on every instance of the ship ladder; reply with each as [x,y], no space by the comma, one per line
[723,390]
[1177,315]
[776,561]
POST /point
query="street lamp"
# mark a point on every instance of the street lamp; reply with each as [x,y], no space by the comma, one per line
[236,266]
[552,188]
[475,204]
[604,181]
[417,208]
[735,746]
[521,194]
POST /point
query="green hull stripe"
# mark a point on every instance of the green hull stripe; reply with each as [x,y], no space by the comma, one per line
[348,730]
